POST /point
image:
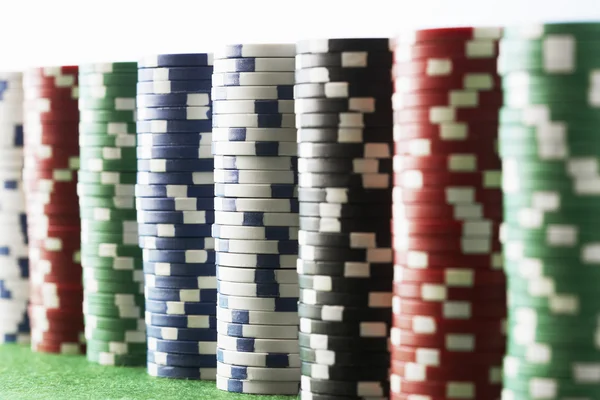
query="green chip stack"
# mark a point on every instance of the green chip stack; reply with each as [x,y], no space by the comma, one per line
[549,145]
[111,258]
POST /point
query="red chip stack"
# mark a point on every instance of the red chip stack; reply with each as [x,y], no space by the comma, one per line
[449,288]
[50,180]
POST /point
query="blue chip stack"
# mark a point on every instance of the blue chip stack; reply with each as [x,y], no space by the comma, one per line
[256,219]
[175,210]
[14,271]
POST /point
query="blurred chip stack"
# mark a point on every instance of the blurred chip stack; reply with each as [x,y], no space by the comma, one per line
[50,181]
[14,264]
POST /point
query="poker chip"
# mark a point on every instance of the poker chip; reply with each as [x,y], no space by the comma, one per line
[174,197]
[547,78]
[50,147]
[256,218]
[446,84]
[344,115]
[15,325]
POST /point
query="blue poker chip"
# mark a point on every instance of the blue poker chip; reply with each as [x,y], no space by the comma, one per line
[180,256]
[175,178]
[174,230]
[160,294]
[174,152]
[174,139]
[178,359]
[185,334]
[253,120]
[174,191]
[195,347]
[160,87]
[279,92]
[253,106]
[255,64]
[258,374]
[176,204]
[254,232]
[187,270]
[173,100]
[181,321]
[161,243]
[176,60]
[175,113]
[256,163]
[174,73]
[285,304]
[264,360]
[165,371]
[175,217]
[267,261]
[180,308]
[255,218]
[262,148]
[181,282]
[173,126]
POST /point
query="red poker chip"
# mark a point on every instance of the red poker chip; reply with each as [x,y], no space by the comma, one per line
[62,156]
[428,147]
[459,277]
[467,81]
[463,194]
[58,175]
[467,245]
[469,49]
[63,130]
[54,117]
[68,303]
[448,132]
[51,71]
[44,105]
[57,244]
[59,348]
[423,259]
[68,141]
[450,213]
[437,292]
[73,336]
[461,310]
[455,163]
[436,115]
[451,341]
[68,275]
[53,313]
[32,163]
[53,256]
[476,390]
[50,93]
[419,179]
[428,325]
[477,228]
[57,82]
[457,33]
[53,210]
[48,186]
[459,98]
[438,357]
[437,66]
[418,372]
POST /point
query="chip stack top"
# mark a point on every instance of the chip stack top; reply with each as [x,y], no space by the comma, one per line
[345,133]
[174,201]
[256,219]
[550,156]
[110,256]
[449,288]
[50,179]
[14,262]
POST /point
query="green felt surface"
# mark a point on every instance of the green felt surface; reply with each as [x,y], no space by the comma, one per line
[33,376]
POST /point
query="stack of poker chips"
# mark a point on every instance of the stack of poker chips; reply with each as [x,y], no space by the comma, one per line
[345,133]
[111,258]
[256,219]
[174,200]
[449,288]
[50,182]
[550,157]
[14,265]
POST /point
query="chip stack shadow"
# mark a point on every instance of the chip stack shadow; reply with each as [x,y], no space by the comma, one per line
[50,181]
[345,133]
[111,258]
[449,288]
[550,156]
[256,219]
[14,271]
[175,208]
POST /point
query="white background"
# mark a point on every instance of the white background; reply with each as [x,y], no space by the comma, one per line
[60,32]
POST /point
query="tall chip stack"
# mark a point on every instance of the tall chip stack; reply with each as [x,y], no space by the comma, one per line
[111,258]
[14,261]
[548,143]
[448,335]
[174,200]
[256,219]
[50,180]
[345,133]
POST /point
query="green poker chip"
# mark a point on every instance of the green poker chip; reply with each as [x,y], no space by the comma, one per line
[114,263]
[112,275]
[121,348]
[107,104]
[106,116]
[100,165]
[128,140]
[576,30]
[109,237]
[107,128]
[109,68]
[107,214]
[122,154]
[110,324]
[108,79]
[108,178]
[98,286]
[118,202]
[124,336]
[547,305]
[523,97]
[532,268]
[123,360]
[110,311]
[111,190]
[116,227]
[115,299]
[562,113]
[99,92]
[562,388]
[109,250]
